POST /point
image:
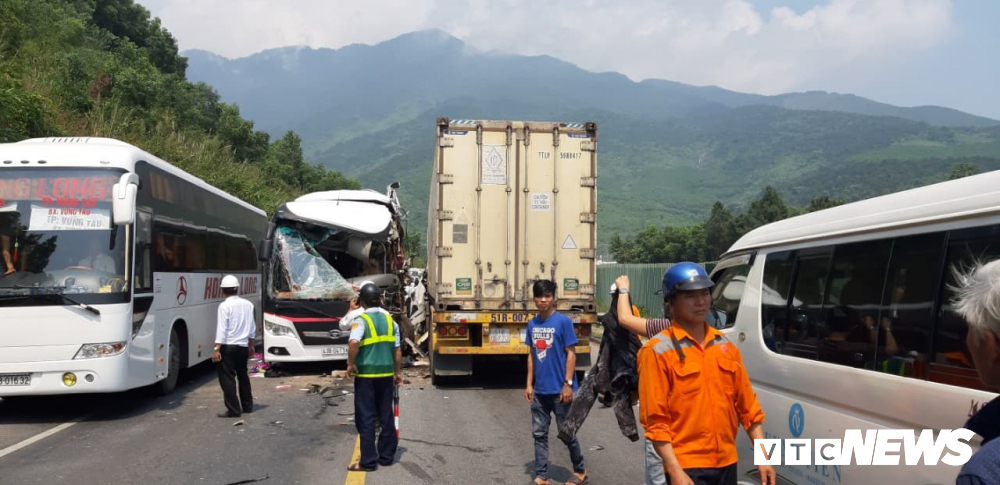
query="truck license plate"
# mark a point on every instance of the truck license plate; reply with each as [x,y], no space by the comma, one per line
[15,379]
[340,350]
[499,335]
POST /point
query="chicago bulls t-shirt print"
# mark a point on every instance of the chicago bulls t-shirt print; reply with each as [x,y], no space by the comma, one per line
[548,339]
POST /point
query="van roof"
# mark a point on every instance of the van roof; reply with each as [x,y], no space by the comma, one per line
[968,197]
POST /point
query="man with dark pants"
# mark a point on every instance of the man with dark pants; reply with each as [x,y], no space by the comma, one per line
[234,336]
[374,360]
[551,379]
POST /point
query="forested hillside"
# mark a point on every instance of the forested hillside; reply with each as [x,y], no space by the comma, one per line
[105,68]
[667,151]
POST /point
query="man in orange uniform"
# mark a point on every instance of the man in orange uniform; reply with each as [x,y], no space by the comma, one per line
[693,390]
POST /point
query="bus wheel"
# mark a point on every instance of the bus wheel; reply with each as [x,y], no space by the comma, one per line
[167,385]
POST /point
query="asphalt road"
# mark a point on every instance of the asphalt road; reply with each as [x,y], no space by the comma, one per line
[471,431]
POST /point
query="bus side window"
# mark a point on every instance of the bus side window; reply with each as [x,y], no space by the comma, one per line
[143,244]
[774,298]
[952,363]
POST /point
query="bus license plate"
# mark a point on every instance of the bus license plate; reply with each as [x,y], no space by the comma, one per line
[499,335]
[15,379]
[334,350]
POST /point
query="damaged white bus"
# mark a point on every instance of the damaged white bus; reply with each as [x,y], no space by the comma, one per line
[317,248]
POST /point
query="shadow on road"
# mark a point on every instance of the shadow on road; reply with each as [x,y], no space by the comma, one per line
[493,372]
[103,407]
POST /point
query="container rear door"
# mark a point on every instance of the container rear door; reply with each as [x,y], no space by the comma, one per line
[557,207]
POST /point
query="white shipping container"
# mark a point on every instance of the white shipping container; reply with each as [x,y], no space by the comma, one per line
[512,202]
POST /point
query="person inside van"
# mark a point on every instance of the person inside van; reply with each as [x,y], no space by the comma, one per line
[978,302]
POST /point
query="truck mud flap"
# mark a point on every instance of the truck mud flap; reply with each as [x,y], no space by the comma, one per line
[452,365]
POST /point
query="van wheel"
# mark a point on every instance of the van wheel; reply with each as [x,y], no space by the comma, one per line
[167,385]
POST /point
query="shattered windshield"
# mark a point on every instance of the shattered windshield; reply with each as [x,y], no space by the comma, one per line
[299,272]
[57,237]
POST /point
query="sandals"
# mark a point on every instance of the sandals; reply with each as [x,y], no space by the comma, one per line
[356,467]
[575,480]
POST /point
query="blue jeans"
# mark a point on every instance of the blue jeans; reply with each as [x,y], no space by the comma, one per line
[541,410]
[654,466]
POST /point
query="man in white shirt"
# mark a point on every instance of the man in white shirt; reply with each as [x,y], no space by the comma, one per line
[234,336]
[97,260]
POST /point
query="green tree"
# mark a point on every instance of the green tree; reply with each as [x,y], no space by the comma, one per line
[822,202]
[128,20]
[248,144]
[961,170]
[720,231]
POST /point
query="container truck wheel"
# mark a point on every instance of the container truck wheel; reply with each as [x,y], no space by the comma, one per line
[167,385]
[435,379]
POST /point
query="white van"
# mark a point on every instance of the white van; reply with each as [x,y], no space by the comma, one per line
[844,321]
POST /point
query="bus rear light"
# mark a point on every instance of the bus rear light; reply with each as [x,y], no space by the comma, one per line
[442,331]
[452,331]
[463,330]
[94,351]
[585,330]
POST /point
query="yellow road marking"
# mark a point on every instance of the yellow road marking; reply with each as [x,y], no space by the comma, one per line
[356,478]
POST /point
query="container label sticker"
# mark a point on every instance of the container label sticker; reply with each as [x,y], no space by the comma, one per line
[541,202]
[569,243]
[463,286]
[494,165]
[571,286]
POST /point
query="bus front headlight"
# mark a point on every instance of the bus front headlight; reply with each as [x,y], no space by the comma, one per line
[94,351]
[279,330]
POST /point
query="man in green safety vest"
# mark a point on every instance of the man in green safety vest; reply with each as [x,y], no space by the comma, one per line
[373,360]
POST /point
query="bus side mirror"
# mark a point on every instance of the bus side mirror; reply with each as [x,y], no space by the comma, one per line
[264,250]
[123,199]
[267,244]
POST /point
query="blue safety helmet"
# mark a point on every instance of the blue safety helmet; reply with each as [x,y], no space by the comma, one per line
[685,276]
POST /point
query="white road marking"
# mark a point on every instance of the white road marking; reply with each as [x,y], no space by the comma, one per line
[40,436]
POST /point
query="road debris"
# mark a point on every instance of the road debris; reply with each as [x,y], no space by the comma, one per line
[238,423]
[251,480]
[283,387]
[596,448]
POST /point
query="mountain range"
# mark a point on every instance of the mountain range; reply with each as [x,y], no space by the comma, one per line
[667,150]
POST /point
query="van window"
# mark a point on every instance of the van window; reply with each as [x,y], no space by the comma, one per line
[881,305]
[849,325]
[804,328]
[906,316]
[774,297]
[727,294]
[952,362]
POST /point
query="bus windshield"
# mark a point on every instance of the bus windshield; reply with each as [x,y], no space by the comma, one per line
[57,237]
[299,272]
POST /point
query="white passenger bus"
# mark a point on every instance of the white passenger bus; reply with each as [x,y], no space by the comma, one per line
[111,262]
[844,321]
[321,245]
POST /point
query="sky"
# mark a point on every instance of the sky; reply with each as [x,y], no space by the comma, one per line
[902,52]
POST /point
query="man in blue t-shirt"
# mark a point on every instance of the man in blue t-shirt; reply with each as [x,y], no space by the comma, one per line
[551,383]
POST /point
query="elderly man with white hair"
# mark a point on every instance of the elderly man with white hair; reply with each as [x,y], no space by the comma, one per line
[978,302]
